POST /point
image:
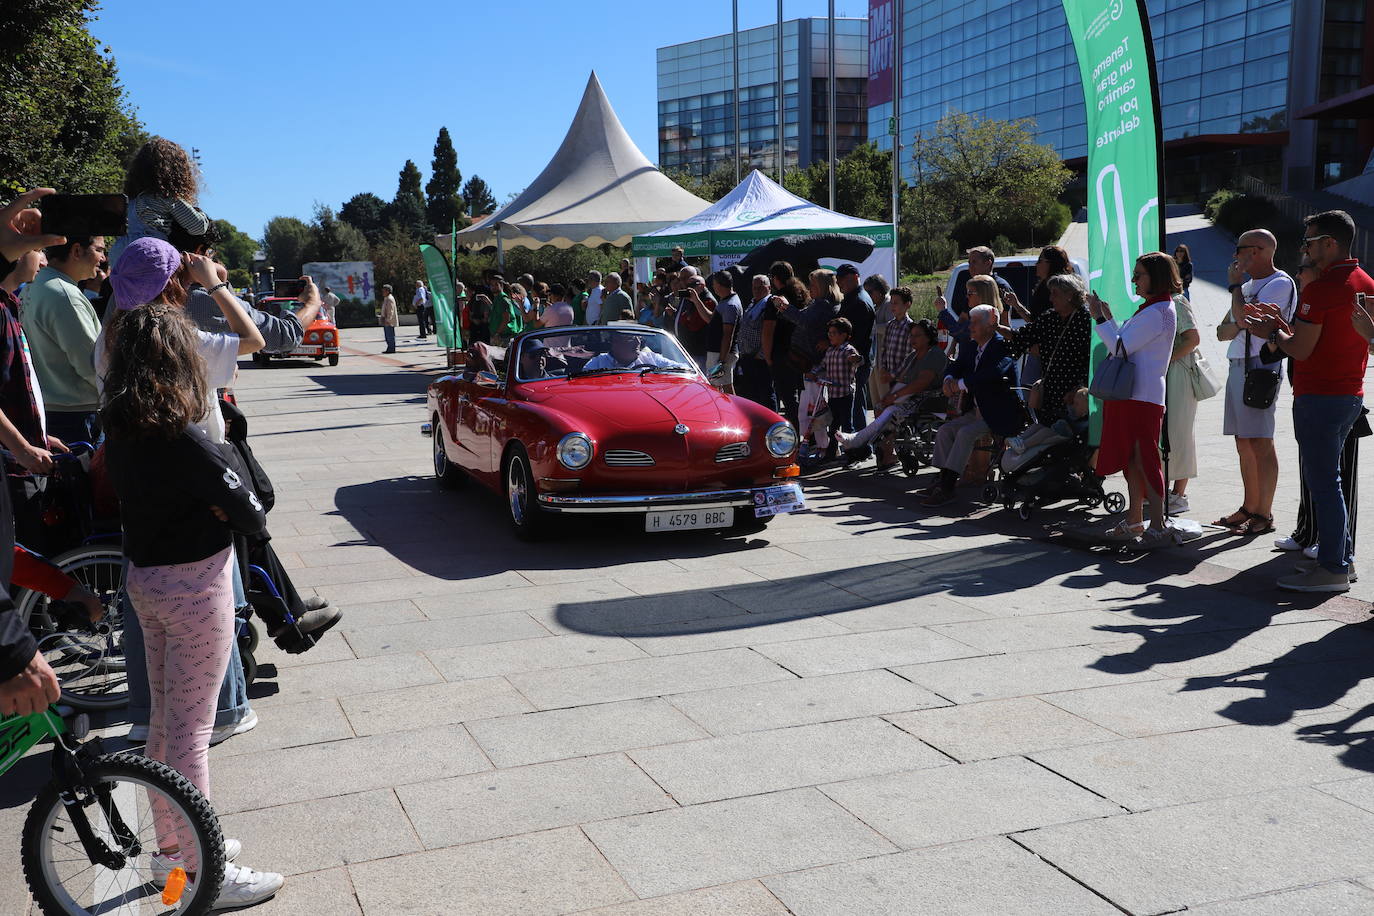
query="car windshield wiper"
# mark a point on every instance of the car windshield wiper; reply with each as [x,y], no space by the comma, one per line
[648,369]
[605,370]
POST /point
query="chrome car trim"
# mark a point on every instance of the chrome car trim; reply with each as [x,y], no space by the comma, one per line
[711,499]
[734,451]
[628,458]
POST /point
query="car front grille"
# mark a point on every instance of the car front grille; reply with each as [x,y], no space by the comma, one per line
[732,452]
[628,458]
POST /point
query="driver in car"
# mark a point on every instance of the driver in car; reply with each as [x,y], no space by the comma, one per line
[627,352]
[538,360]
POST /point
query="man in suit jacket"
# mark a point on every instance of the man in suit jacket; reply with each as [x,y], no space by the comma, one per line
[987,371]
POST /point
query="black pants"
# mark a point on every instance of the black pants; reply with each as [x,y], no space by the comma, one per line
[422,317]
[1305,531]
[839,415]
[755,382]
[787,385]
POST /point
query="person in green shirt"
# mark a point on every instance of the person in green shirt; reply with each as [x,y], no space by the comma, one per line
[61,326]
[579,302]
[507,318]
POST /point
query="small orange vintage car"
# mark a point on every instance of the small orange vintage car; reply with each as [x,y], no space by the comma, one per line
[320,341]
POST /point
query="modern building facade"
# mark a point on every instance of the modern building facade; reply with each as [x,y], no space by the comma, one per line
[696,114]
[1237,80]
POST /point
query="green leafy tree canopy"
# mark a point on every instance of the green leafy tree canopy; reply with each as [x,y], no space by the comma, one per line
[332,239]
[286,242]
[478,196]
[365,212]
[443,204]
[235,247]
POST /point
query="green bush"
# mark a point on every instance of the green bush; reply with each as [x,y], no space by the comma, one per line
[1051,225]
[1240,212]
[1001,246]
[1215,202]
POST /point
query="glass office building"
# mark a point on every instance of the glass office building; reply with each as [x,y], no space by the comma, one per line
[696,115]
[1228,83]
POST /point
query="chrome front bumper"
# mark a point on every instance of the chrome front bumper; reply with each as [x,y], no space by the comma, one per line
[712,499]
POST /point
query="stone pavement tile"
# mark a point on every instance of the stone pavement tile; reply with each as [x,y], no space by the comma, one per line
[1143,773]
[581,731]
[332,647]
[529,599]
[623,616]
[14,893]
[1358,792]
[1161,861]
[747,898]
[823,549]
[567,569]
[1158,707]
[442,634]
[344,556]
[964,801]
[719,842]
[1017,674]
[977,878]
[1339,898]
[323,832]
[544,653]
[1001,599]
[329,891]
[921,611]
[864,651]
[678,580]
[417,587]
[331,679]
[331,576]
[807,594]
[1021,634]
[538,874]
[296,774]
[786,758]
[730,632]
[998,728]
[431,705]
[289,725]
[748,556]
[802,701]
[645,677]
[497,803]
[1185,655]
[378,613]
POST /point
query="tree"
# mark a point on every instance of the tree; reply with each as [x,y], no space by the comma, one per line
[67,121]
[478,196]
[990,174]
[366,213]
[719,182]
[396,260]
[286,242]
[863,183]
[407,210]
[410,179]
[332,239]
[443,205]
[235,247]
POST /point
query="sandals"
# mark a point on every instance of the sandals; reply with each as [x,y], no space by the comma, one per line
[1240,517]
[1124,531]
[1255,524]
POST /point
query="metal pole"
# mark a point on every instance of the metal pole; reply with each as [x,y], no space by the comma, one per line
[830,129]
[896,139]
[734,48]
[780,96]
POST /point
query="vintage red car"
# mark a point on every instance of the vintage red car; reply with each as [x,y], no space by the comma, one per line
[614,419]
[319,341]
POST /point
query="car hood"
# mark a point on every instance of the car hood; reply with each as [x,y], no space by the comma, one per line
[635,405]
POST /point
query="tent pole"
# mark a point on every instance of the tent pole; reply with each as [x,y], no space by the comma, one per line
[780,94]
[830,129]
[500,250]
[734,49]
[896,139]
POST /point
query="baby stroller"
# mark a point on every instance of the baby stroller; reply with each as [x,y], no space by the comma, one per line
[1055,467]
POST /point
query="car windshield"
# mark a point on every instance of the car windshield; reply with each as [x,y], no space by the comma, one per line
[574,352]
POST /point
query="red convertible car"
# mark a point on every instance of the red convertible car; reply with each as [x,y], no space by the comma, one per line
[613,419]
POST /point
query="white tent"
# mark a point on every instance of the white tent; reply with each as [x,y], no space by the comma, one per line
[598,188]
[757,211]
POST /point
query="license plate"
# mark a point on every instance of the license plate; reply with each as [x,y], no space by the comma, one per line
[777,500]
[689,519]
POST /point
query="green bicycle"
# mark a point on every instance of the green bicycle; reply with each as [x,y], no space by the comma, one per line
[91,834]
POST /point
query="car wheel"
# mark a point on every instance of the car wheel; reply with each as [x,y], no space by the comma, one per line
[261,359]
[528,520]
[449,475]
[333,359]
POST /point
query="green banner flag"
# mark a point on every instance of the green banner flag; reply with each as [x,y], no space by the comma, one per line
[1125,176]
[442,298]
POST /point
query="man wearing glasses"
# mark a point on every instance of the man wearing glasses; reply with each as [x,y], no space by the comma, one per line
[1329,358]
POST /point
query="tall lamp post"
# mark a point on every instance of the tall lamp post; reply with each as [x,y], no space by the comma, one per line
[830,129]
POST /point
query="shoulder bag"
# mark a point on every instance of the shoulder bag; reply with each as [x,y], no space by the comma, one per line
[1204,381]
[1114,379]
[1261,382]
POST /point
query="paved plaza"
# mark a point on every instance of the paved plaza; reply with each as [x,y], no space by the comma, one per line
[869,709]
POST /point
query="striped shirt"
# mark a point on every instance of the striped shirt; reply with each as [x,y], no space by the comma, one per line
[159,213]
[838,366]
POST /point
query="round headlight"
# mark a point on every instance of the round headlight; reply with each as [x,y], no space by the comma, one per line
[575,451]
[781,440]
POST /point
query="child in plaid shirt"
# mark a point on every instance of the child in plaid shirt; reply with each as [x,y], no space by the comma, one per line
[836,370]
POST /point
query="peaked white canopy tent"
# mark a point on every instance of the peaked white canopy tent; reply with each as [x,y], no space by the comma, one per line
[756,212]
[598,188]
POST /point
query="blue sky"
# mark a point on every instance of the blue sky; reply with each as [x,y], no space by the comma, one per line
[295,102]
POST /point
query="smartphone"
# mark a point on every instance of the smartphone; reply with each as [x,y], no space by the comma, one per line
[74,215]
[288,289]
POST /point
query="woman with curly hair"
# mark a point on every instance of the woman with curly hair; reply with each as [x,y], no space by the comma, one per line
[161,187]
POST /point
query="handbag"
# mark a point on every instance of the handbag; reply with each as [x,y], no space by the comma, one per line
[1261,383]
[1114,379]
[1204,380]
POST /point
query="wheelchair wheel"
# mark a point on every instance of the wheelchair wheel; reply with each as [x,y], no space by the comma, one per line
[115,798]
[249,636]
[250,666]
[1024,511]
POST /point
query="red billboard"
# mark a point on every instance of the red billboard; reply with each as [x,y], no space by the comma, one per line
[882,37]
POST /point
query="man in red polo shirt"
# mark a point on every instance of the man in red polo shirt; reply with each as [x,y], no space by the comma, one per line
[1329,358]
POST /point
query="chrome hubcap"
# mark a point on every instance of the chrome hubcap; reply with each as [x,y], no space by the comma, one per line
[515,488]
[440,459]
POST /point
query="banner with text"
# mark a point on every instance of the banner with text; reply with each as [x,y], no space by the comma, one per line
[441,297]
[881,38]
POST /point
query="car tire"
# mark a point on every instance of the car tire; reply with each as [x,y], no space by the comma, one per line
[333,359]
[448,474]
[261,359]
[529,522]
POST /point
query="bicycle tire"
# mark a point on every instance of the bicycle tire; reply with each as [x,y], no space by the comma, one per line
[53,898]
[90,666]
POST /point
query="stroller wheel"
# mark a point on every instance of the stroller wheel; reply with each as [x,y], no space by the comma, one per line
[1024,511]
[1114,503]
[991,492]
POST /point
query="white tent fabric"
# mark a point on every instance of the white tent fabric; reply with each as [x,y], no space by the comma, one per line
[598,188]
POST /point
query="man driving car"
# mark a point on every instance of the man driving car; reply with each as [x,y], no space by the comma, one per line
[627,352]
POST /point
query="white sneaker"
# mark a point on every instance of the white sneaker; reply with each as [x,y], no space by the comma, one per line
[1287,544]
[1311,552]
[1177,503]
[225,732]
[245,887]
[162,865]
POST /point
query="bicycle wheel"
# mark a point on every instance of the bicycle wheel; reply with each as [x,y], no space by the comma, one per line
[88,659]
[117,801]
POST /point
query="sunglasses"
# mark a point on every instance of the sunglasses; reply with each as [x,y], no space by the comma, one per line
[1310,239]
[1240,248]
